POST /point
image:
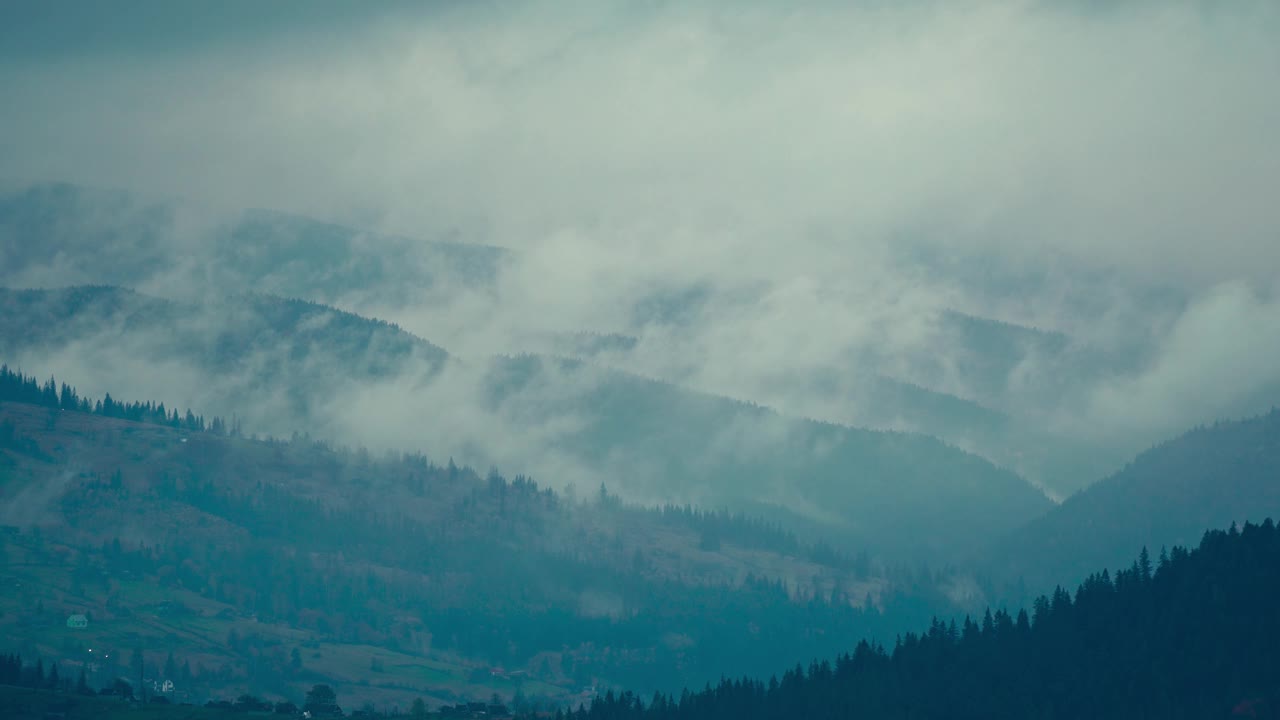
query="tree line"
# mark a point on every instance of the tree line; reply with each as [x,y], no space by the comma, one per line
[495,570]
[1191,635]
[17,387]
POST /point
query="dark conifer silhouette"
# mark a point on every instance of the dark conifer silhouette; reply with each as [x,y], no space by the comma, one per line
[17,387]
[1194,638]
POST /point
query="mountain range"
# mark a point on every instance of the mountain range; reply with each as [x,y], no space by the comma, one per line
[990,385]
[653,533]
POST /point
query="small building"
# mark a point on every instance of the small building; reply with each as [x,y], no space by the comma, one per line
[78,622]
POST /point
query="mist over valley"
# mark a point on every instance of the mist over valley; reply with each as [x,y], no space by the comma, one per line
[467,360]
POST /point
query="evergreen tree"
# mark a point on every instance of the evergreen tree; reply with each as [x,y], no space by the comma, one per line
[1193,639]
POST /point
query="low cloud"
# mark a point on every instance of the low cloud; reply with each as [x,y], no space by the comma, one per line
[1215,363]
[802,193]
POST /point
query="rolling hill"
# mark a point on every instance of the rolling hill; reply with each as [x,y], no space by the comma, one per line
[266,564]
[1191,637]
[981,384]
[282,365]
[1210,477]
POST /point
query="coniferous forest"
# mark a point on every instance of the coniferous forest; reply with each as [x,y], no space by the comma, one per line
[1190,634]
[510,583]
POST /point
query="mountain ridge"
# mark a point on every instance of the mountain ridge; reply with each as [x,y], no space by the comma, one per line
[892,490]
[1210,476]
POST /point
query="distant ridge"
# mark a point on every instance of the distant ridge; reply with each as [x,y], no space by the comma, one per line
[899,493]
[1208,477]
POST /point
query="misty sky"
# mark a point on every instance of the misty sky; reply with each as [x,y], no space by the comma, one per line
[793,161]
[1125,132]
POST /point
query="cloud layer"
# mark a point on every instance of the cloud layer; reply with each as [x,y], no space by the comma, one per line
[798,191]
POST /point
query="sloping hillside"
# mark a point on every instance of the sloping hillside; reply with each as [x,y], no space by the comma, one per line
[899,493]
[1190,637]
[259,351]
[395,574]
[286,364]
[1209,477]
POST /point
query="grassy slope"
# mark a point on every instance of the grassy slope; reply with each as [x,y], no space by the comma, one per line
[130,612]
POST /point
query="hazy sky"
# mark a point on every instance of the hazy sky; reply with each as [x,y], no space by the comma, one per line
[1141,133]
[783,155]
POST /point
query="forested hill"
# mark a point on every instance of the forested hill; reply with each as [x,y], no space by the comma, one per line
[268,565]
[283,365]
[263,335]
[905,494]
[1209,477]
[1190,635]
